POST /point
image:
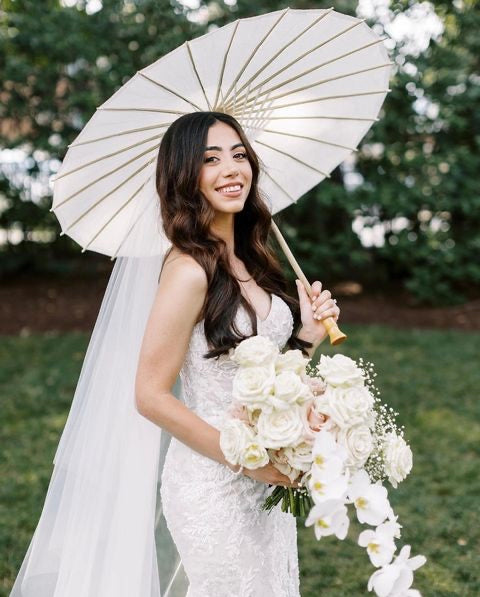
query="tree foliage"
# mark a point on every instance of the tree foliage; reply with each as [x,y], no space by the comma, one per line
[417,166]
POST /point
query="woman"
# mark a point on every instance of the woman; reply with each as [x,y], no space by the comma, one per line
[219,284]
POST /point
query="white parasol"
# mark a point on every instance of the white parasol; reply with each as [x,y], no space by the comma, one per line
[306,85]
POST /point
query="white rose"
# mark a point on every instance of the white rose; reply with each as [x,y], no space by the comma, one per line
[300,457]
[254,455]
[398,458]
[281,428]
[234,437]
[347,406]
[358,442]
[340,371]
[292,360]
[255,351]
[252,386]
[288,389]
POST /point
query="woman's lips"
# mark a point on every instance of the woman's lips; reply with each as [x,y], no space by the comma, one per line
[230,190]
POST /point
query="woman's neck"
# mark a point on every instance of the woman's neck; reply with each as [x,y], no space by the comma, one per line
[223,227]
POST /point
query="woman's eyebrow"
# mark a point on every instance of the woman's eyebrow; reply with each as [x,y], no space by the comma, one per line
[217,148]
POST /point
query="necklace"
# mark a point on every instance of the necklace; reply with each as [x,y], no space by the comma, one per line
[247,280]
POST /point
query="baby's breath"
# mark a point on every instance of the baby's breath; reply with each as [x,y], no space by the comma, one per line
[384,424]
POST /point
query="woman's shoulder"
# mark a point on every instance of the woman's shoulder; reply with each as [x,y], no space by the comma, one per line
[184,267]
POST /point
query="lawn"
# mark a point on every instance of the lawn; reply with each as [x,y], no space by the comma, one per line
[431,377]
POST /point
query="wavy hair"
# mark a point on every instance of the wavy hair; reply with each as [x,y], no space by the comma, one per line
[187,217]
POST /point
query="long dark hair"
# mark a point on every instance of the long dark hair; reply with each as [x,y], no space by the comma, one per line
[187,216]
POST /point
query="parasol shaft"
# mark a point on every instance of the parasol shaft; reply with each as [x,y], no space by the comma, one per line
[336,335]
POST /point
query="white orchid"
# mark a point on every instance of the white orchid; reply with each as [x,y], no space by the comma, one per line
[379,543]
[329,518]
[393,525]
[325,447]
[394,580]
[371,500]
[322,488]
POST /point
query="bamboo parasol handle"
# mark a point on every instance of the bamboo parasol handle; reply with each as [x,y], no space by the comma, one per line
[336,335]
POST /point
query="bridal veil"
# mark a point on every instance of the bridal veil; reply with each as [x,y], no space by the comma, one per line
[101,532]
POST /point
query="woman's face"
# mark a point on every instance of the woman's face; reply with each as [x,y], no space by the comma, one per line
[226,174]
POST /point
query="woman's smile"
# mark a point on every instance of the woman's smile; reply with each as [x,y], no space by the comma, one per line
[230,190]
[226,172]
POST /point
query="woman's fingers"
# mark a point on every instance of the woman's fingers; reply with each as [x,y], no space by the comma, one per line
[316,289]
[321,299]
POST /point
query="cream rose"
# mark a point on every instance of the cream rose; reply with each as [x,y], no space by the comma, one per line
[358,442]
[253,386]
[288,389]
[316,385]
[256,351]
[254,455]
[398,458]
[346,406]
[300,457]
[340,371]
[234,438]
[280,428]
[292,360]
[280,462]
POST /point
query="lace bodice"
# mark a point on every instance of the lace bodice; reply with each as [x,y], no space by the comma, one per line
[207,383]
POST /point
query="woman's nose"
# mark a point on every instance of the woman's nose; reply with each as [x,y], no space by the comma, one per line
[230,168]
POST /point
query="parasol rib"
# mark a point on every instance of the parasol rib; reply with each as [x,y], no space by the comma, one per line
[194,66]
[181,112]
[130,230]
[255,50]
[292,199]
[108,155]
[115,214]
[292,157]
[323,81]
[115,135]
[222,72]
[318,66]
[175,93]
[90,184]
[323,117]
[97,203]
[282,49]
[307,53]
[330,97]
[309,139]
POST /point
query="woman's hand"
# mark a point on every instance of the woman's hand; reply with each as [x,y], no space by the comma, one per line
[314,310]
[271,475]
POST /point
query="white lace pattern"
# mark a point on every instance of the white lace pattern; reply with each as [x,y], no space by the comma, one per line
[228,545]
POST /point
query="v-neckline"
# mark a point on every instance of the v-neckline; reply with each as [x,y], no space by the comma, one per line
[269,311]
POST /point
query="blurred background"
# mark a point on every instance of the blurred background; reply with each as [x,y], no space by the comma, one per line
[394,234]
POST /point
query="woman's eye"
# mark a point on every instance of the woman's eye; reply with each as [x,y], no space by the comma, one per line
[240,155]
[210,159]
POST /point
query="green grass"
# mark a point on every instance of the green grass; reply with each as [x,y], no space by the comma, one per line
[431,377]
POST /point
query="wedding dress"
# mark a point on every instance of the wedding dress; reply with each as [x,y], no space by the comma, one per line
[229,547]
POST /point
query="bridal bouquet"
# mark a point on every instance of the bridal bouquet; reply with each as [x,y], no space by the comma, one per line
[326,427]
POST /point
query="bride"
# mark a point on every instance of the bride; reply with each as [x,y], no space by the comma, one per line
[219,283]
[104,531]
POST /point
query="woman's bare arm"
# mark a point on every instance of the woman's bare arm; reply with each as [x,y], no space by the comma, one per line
[178,303]
[176,308]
